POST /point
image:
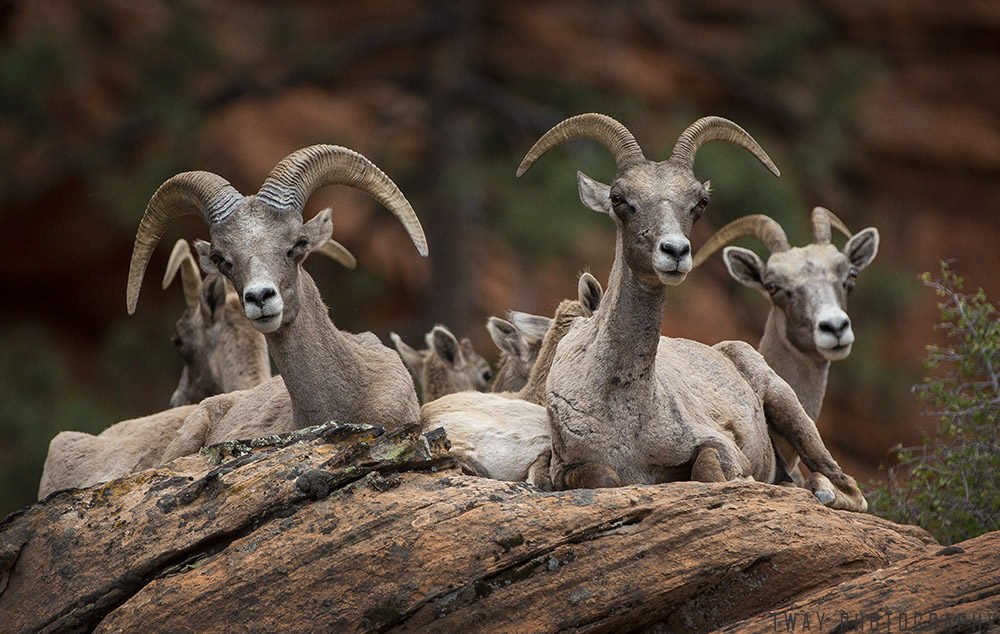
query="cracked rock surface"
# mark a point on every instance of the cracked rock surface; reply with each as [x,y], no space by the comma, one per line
[347,529]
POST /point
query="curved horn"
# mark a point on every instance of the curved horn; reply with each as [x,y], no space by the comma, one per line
[592,126]
[182,260]
[709,129]
[199,193]
[302,172]
[338,253]
[759,226]
[822,220]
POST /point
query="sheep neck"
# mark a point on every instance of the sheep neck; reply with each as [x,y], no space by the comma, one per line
[317,361]
[806,375]
[629,320]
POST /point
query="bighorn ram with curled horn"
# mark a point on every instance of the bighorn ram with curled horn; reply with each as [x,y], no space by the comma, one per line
[629,406]
[807,326]
[259,242]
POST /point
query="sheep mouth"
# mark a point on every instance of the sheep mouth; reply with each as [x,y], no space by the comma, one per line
[671,278]
[266,323]
[836,353]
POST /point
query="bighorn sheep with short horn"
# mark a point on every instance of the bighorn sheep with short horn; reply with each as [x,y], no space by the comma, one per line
[505,435]
[629,406]
[259,242]
[447,365]
[807,326]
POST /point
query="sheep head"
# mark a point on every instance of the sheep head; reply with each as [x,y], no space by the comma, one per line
[259,242]
[447,365]
[220,349]
[809,285]
[654,204]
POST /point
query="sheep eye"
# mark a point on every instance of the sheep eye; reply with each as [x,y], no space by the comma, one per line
[852,277]
[297,247]
[771,288]
[703,202]
[487,376]
[616,200]
[220,262]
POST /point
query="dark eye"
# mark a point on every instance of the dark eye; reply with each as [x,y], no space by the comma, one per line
[220,262]
[771,288]
[176,339]
[852,277]
[703,202]
[487,376]
[297,247]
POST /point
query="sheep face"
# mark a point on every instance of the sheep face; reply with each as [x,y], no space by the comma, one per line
[655,206]
[809,286]
[261,250]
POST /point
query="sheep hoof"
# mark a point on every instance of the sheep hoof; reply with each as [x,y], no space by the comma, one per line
[825,497]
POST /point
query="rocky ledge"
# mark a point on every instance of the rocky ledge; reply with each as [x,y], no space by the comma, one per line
[349,529]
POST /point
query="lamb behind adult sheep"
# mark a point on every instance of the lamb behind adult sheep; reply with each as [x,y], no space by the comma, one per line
[447,365]
[808,326]
[505,435]
[518,352]
[259,243]
[628,406]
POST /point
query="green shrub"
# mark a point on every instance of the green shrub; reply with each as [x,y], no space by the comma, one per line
[951,484]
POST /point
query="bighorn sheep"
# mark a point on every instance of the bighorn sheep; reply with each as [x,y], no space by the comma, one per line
[518,352]
[446,366]
[807,326]
[221,352]
[628,406]
[505,436]
[259,242]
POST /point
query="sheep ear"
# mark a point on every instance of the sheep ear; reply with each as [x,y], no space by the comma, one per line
[445,345]
[413,359]
[213,296]
[204,251]
[745,267]
[505,336]
[862,248]
[594,194]
[530,326]
[589,292]
[319,229]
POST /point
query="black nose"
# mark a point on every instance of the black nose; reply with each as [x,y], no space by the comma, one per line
[259,296]
[676,250]
[835,327]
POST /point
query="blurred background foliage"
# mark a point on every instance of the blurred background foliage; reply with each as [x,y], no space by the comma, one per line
[886,113]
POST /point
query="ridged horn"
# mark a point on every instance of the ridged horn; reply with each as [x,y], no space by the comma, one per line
[709,129]
[182,260]
[302,172]
[590,126]
[190,193]
[822,220]
[759,226]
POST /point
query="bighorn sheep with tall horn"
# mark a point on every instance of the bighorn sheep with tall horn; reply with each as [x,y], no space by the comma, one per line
[505,435]
[629,406]
[447,365]
[259,242]
[222,353]
[808,326]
